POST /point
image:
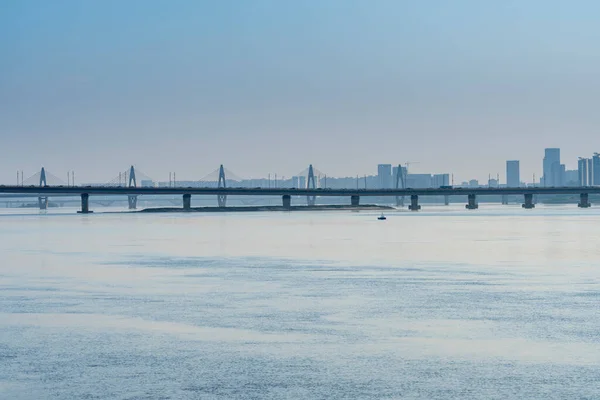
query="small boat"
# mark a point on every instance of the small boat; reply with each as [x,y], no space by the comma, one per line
[381,217]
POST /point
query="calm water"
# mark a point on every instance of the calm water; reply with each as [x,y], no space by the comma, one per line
[497,303]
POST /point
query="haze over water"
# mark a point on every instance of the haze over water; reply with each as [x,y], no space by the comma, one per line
[489,304]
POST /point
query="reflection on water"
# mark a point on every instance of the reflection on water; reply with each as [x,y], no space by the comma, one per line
[497,303]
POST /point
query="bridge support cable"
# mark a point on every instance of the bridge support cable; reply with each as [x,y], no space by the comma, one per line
[222,198]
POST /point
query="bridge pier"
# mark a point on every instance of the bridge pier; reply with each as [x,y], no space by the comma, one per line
[584,201]
[355,200]
[187,202]
[504,199]
[43,203]
[85,204]
[132,200]
[414,203]
[446,200]
[472,202]
[287,201]
[528,201]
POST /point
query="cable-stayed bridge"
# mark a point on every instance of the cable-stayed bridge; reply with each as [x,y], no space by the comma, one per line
[127,183]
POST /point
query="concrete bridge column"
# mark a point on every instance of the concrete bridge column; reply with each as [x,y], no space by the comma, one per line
[584,201]
[85,204]
[287,201]
[504,199]
[472,202]
[132,200]
[528,201]
[354,200]
[446,200]
[187,202]
[414,203]
[43,203]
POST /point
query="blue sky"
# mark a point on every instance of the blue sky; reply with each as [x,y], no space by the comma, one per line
[270,86]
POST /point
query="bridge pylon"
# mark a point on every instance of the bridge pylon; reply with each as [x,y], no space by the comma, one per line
[310,184]
[222,198]
[43,200]
[132,199]
[400,184]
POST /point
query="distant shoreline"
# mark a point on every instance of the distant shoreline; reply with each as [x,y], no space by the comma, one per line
[366,207]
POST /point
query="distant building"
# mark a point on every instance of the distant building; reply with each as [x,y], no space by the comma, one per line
[585,171]
[440,180]
[596,169]
[147,183]
[493,183]
[513,178]
[418,181]
[384,173]
[551,168]
[473,183]
[571,177]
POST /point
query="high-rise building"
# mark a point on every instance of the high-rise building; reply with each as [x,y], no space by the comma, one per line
[513,178]
[585,169]
[596,169]
[420,181]
[302,182]
[582,170]
[438,180]
[384,174]
[551,168]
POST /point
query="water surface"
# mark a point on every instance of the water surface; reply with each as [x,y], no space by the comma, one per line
[495,303]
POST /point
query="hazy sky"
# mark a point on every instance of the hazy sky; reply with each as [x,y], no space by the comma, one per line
[271,86]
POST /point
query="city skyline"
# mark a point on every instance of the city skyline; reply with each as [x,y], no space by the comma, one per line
[587,173]
[551,164]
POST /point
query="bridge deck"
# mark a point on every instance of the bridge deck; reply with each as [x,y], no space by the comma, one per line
[117,190]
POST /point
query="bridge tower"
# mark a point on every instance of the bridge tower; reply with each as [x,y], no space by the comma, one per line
[400,184]
[43,200]
[132,199]
[310,184]
[222,198]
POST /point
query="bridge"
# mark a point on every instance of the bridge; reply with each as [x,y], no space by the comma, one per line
[286,193]
[215,184]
